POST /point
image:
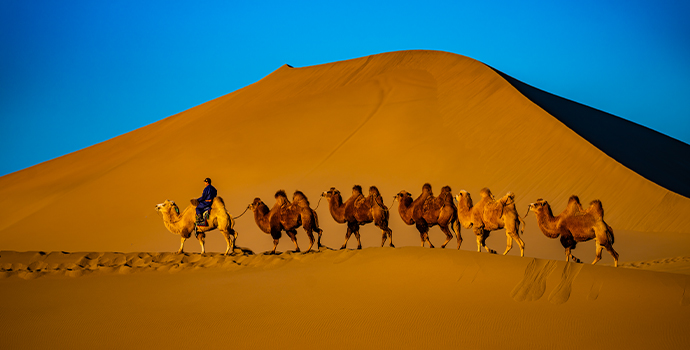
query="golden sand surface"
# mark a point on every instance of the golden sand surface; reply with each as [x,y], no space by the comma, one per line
[395,120]
[408,297]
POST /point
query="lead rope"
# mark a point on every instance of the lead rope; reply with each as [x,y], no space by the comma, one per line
[318,203]
[237,217]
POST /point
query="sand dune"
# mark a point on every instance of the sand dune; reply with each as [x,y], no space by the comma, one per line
[375,298]
[85,261]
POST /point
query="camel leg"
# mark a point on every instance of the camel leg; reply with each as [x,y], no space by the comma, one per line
[513,235]
[569,255]
[311,239]
[449,235]
[509,243]
[359,242]
[426,238]
[293,237]
[201,242]
[230,243]
[423,229]
[347,237]
[599,248]
[181,246]
[383,238]
[456,227]
[275,246]
[614,254]
[320,232]
[482,235]
[389,232]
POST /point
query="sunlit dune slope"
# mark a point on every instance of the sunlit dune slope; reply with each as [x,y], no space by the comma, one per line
[394,120]
[659,158]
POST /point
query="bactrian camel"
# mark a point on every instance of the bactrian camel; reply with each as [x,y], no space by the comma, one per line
[183,224]
[286,216]
[490,215]
[427,211]
[359,210]
[575,225]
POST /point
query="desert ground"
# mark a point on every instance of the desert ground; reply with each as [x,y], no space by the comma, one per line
[87,262]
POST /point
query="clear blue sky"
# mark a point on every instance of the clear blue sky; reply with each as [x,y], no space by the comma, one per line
[76,73]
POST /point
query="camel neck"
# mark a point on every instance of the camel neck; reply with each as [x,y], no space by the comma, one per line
[261,219]
[547,223]
[337,209]
[465,214]
[405,212]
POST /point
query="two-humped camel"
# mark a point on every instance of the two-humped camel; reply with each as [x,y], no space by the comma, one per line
[575,225]
[359,210]
[286,216]
[490,215]
[427,211]
[183,224]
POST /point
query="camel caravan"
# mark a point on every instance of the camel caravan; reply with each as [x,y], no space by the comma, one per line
[575,224]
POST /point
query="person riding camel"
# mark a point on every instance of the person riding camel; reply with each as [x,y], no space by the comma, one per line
[205,202]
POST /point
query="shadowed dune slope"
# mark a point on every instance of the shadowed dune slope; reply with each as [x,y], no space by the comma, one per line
[394,120]
[659,158]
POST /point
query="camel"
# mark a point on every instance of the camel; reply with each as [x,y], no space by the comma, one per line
[490,215]
[183,224]
[286,216]
[427,211]
[359,210]
[576,225]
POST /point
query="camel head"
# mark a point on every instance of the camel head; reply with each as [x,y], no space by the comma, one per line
[256,204]
[539,206]
[167,207]
[330,193]
[403,197]
[464,199]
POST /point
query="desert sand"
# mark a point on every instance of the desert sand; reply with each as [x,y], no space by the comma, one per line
[85,260]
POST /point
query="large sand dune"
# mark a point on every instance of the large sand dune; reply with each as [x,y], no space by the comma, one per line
[394,120]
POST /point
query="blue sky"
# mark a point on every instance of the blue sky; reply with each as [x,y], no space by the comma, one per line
[76,73]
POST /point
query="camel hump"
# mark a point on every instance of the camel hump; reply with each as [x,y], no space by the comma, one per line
[218,202]
[281,193]
[426,187]
[574,206]
[596,208]
[300,198]
[486,192]
[373,191]
[298,195]
[357,189]
[445,189]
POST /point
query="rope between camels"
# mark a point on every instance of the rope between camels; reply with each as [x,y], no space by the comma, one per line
[318,203]
[245,210]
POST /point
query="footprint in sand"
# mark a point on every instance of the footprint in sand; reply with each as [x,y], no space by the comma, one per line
[594,291]
[533,284]
[562,292]
[685,300]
